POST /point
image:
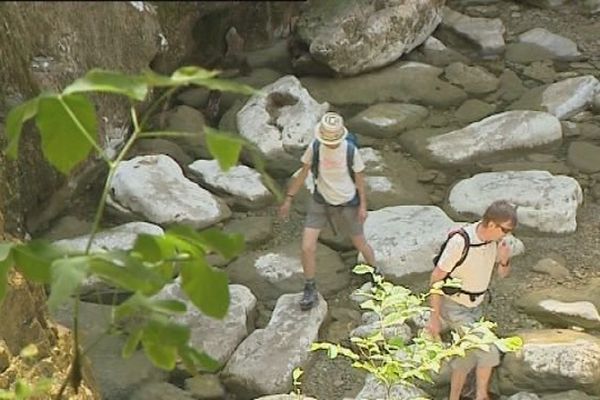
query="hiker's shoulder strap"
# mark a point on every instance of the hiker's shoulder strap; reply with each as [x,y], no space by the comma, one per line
[350,151]
[465,250]
[315,159]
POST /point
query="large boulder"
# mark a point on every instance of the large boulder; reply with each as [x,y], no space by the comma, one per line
[264,362]
[545,202]
[552,360]
[486,34]
[216,337]
[155,187]
[509,130]
[355,36]
[280,120]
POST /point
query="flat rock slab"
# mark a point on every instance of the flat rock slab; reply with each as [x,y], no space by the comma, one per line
[263,363]
[545,202]
[560,47]
[155,187]
[505,131]
[386,120]
[243,184]
[552,360]
[563,308]
[216,337]
[271,273]
[584,156]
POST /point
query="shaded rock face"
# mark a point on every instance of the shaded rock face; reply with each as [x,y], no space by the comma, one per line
[357,36]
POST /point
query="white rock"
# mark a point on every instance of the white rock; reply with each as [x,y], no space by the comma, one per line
[561,47]
[485,33]
[121,237]
[570,96]
[216,337]
[240,181]
[379,184]
[405,238]
[583,309]
[545,202]
[432,43]
[372,159]
[504,131]
[155,187]
[280,120]
[264,361]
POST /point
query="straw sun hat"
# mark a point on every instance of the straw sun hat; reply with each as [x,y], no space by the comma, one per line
[331,130]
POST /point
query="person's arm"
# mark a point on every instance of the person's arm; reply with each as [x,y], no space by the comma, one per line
[435,302]
[294,187]
[359,180]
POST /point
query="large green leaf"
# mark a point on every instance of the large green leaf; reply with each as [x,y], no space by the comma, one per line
[67,275]
[4,268]
[225,85]
[98,80]
[206,287]
[162,330]
[5,248]
[223,146]
[228,245]
[14,123]
[153,248]
[132,343]
[192,358]
[68,128]
[161,355]
[127,272]
[182,76]
[34,258]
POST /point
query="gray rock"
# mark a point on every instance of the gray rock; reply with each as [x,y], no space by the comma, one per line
[243,184]
[257,369]
[386,120]
[408,82]
[524,396]
[542,71]
[569,395]
[205,387]
[473,79]
[284,397]
[281,120]
[155,187]
[525,53]
[552,360]
[560,47]
[473,110]
[505,131]
[584,156]
[545,202]
[271,273]
[551,267]
[216,337]
[187,120]
[434,52]
[375,390]
[381,33]
[593,6]
[144,147]
[256,230]
[546,3]
[161,391]
[486,34]
[596,104]
[511,87]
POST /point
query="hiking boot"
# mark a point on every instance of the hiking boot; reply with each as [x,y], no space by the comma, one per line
[310,297]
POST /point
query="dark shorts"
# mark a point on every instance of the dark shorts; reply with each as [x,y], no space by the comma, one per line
[454,316]
[344,218]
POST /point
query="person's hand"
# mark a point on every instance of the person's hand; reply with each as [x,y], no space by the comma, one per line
[284,209]
[434,326]
[362,214]
[503,252]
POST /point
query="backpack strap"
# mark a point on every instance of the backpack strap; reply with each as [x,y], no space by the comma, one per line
[350,150]
[465,250]
[315,160]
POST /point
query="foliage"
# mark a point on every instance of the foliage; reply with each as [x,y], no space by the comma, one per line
[391,359]
[297,383]
[68,126]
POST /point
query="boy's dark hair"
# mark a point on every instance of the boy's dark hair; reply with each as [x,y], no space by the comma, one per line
[500,211]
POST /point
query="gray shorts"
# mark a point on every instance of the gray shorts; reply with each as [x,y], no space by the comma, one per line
[454,316]
[344,218]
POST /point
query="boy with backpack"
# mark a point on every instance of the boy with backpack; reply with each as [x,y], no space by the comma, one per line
[470,254]
[337,169]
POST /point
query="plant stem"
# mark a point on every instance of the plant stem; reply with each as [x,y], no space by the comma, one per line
[155,104]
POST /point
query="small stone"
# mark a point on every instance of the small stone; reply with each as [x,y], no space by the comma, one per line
[205,387]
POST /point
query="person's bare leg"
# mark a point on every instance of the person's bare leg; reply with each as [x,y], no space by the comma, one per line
[457,381]
[364,248]
[309,252]
[483,379]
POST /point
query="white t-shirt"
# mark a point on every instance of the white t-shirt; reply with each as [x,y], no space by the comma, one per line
[476,271]
[334,182]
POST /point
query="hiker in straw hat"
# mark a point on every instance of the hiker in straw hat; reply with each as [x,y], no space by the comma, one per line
[337,169]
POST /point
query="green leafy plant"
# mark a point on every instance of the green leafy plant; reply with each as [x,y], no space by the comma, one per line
[68,126]
[394,360]
[297,383]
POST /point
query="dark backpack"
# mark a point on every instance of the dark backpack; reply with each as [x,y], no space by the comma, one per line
[453,290]
[351,149]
